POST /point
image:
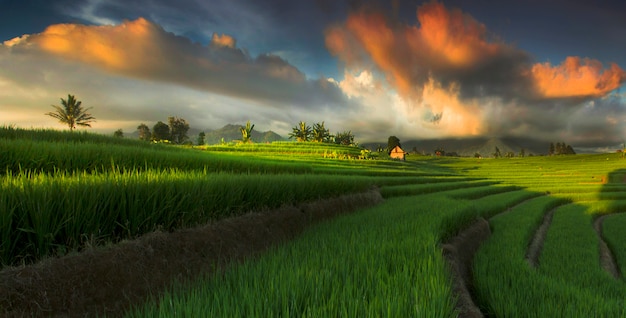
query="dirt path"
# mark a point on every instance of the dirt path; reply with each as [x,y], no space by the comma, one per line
[108,280]
[534,249]
[607,259]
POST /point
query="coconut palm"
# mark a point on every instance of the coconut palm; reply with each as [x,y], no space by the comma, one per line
[246,132]
[72,113]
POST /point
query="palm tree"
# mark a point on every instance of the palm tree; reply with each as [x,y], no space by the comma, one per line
[72,113]
[320,133]
[246,132]
[302,132]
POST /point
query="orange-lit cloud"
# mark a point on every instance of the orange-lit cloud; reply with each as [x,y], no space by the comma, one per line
[577,77]
[454,78]
[453,48]
[223,40]
[142,49]
[444,45]
[125,47]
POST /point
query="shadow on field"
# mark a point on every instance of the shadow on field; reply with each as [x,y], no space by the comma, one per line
[109,280]
[614,182]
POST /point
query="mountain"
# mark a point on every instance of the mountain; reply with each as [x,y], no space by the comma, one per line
[231,132]
[467,147]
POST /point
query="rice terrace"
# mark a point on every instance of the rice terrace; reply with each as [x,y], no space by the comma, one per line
[93,225]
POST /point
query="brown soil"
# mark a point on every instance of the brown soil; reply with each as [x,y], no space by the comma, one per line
[534,249]
[108,280]
[607,260]
[459,252]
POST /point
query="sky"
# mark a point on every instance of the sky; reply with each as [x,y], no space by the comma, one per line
[551,70]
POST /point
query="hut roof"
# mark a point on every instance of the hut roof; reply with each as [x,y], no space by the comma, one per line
[397,149]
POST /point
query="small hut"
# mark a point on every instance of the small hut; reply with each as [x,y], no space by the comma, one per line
[397,153]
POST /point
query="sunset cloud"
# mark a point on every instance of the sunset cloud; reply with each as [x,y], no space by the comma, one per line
[373,67]
[144,50]
[447,45]
[455,78]
[223,40]
[577,77]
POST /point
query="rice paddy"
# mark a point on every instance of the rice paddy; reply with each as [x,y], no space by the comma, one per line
[63,192]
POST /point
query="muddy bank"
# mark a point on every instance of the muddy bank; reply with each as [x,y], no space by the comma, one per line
[607,259]
[535,246]
[459,252]
[108,280]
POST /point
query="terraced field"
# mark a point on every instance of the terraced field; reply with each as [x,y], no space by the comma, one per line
[522,237]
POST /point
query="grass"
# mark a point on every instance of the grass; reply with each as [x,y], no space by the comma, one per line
[372,263]
[62,191]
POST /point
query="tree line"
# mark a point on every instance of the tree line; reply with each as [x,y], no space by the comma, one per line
[560,148]
[319,133]
[175,131]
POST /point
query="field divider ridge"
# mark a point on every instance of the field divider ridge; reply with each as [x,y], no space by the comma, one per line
[108,280]
[536,244]
[607,257]
[459,253]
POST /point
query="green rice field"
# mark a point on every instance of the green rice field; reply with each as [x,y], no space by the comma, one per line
[66,192]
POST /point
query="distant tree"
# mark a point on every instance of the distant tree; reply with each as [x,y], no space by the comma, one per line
[379,148]
[178,129]
[497,153]
[562,148]
[522,153]
[72,113]
[301,132]
[160,131]
[552,149]
[558,148]
[144,132]
[246,132]
[201,138]
[320,133]
[392,142]
[345,138]
[510,154]
[118,133]
[477,155]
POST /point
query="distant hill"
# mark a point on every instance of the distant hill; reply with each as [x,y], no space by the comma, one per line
[467,147]
[231,132]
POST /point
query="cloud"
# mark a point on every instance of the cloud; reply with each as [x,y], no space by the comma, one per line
[453,48]
[577,77]
[144,50]
[455,78]
[438,111]
[446,45]
[137,72]
[223,40]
